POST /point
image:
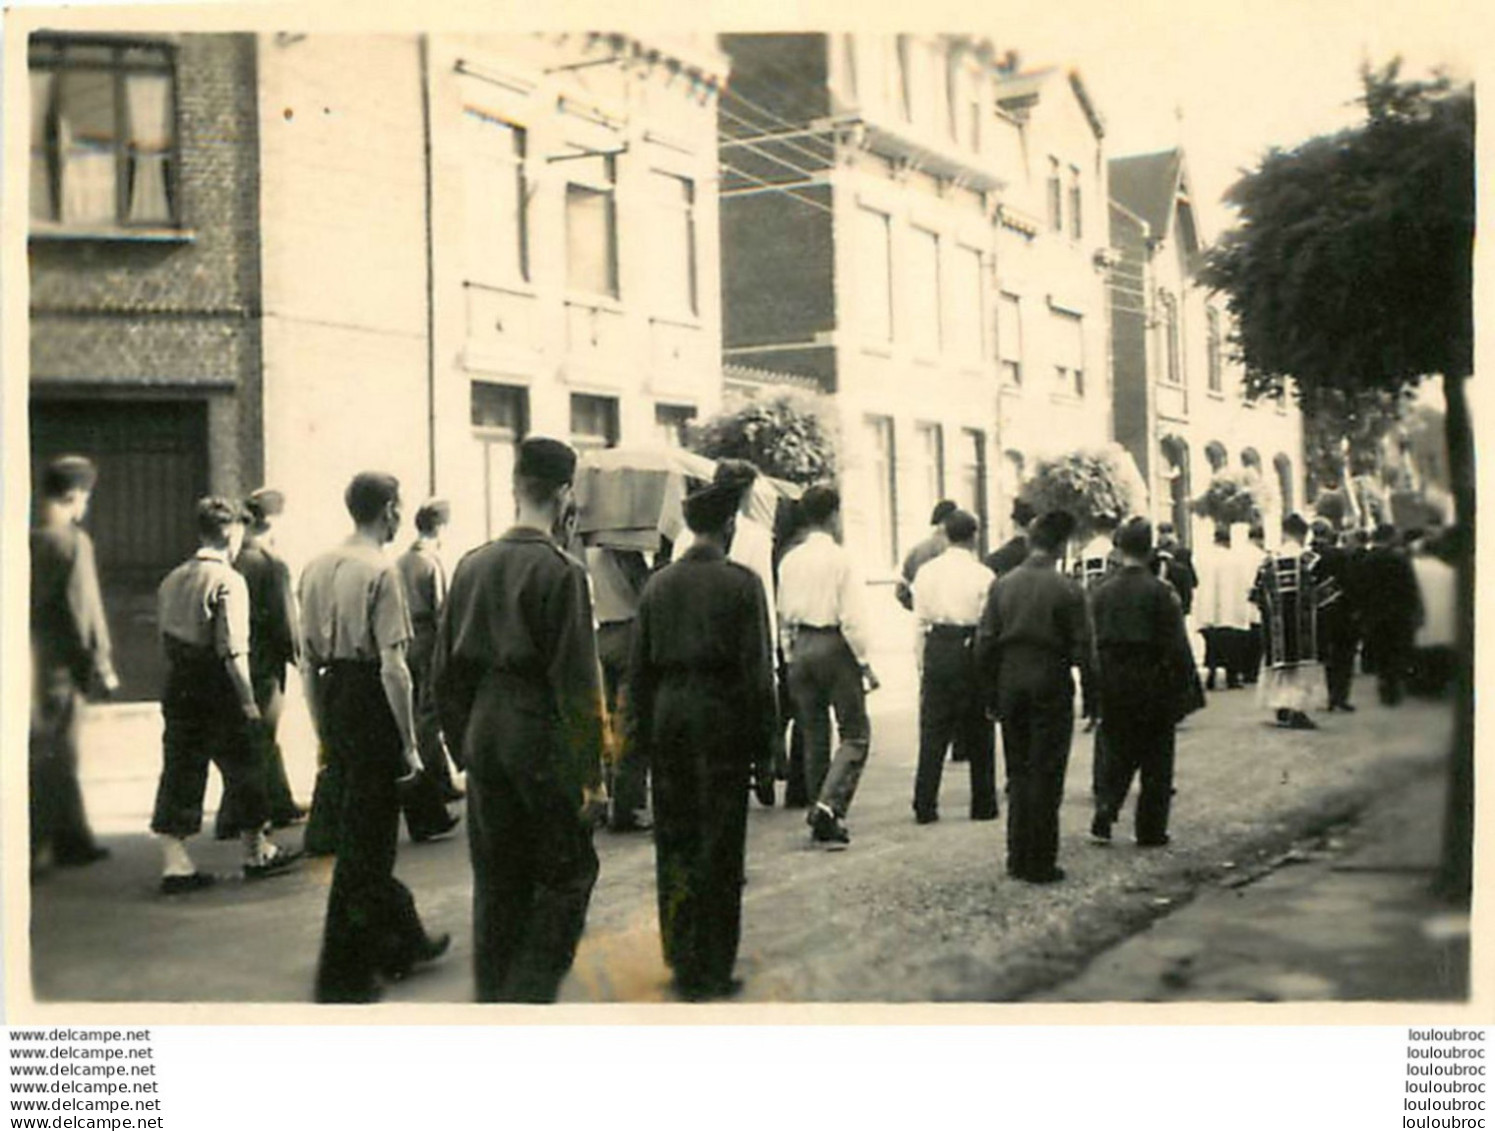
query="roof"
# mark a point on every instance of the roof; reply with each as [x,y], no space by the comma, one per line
[1019,92]
[1146,184]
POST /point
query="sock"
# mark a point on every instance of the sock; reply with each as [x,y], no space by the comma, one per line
[258,847]
[177,860]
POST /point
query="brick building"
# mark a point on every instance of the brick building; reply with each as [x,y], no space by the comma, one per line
[1180,407]
[144,306]
[859,188]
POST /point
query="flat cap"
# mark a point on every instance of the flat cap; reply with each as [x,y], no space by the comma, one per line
[69,473]
[708,509]
[551,461]
[265,503]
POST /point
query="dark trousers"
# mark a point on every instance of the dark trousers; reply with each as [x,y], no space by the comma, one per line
[1036,704]
[269,697]
[1138,746]
[205,723]
[824,678]
[1393,659]
[533,869]
[700,832]
[951,712]
[372,926]
[325,819]
[791,752]
[629,776]
[428,738]
[1339,663]
[58,820]
[1251,671]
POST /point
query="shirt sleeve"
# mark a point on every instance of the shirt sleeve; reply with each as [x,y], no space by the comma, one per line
[389,618]
[231,616]
[851,607]
[87,608]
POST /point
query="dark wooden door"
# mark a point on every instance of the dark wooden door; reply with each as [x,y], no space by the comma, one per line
[152,460]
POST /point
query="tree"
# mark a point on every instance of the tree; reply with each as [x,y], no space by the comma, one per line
[785,436]
[1087,483]
[1350,272]
[1343,431]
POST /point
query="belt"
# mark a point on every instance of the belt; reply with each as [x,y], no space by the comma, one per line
[816,627]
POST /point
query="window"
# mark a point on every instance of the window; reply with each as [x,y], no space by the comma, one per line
[883,468]
[103,134]
[1056,198]
[673,256]
[1168,327]
[955,80]
[875,241]
[594,421]
[1212,329]
[1069,353]
[497,233]
[930,452]
[500,419]
[966,305]
[1010,339]
[1076,223]
[970,485]
[924,292]
[973,119]
[592,225]
[671,422]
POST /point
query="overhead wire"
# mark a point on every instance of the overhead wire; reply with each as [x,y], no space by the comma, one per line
[792,191]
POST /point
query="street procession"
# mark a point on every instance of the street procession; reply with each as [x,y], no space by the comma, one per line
[775,518]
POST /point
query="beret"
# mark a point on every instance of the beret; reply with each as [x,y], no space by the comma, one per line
[549,460]
[265,502]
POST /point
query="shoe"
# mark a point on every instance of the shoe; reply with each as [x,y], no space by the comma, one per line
[827,830]
[1158,842]
[1299,721]
[429,950]
[283,861]
[925,816]
[1209,683]
[181,885]
[1350,707]
[1100,829]
[986,815]
[80,857]
[1284,717]
[707,991]
[1052,876]
[763,790]
[426,835]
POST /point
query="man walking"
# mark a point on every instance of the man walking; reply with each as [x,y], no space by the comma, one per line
[618,579]
[519,688]
[69,658]
[1337,630]
[1174,563]
[950,594]
[1143,668]
[424,578]
[274,642]
[924,552]
[356,632]
[208,704]
[701,712]
[1013,552]
[1391,610]
[822,625]
[1291,591]
[1033,631]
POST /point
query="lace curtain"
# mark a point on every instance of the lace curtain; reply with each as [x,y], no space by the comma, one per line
[149,101]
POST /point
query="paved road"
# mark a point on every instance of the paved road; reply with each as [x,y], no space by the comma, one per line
[909,913]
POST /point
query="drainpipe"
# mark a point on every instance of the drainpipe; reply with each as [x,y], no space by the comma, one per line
[425,114]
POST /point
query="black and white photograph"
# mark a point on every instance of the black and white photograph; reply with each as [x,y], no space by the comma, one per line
[697,519]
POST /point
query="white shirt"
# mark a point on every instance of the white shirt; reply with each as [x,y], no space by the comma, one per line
[1226,575]
[818,588]
[752,546]
[952,589]
[1436,582]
